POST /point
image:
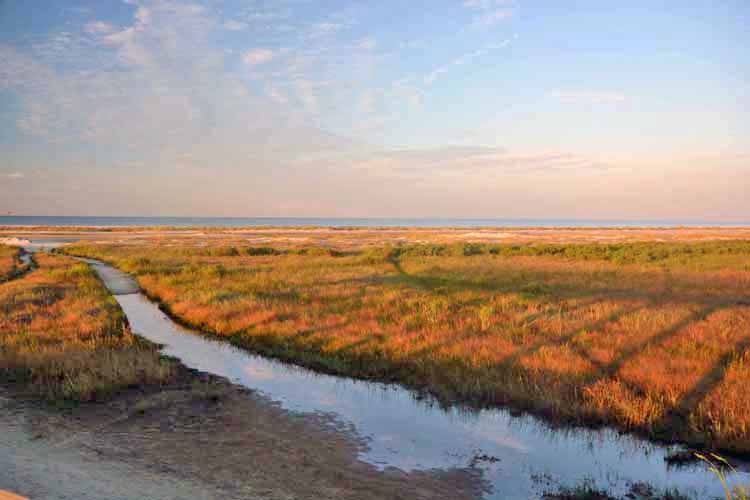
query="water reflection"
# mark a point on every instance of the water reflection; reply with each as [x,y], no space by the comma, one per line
[25,258]
[404,432]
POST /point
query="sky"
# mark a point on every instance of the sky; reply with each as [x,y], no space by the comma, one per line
[442,108]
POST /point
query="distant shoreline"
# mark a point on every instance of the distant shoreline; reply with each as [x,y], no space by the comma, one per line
[91,223]
[239,229]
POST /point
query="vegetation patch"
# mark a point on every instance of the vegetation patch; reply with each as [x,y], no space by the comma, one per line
[649,337]
[586,491]
[64,337]
[11,265]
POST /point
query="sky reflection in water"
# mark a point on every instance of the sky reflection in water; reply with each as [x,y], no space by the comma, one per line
[410,434]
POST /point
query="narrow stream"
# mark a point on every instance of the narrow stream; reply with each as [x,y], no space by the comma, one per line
[410,434]
[25,258]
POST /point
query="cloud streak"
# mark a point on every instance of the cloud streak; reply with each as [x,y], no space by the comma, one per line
[489,13]
[463,161]
[466,58]
[588,97]
[254,57]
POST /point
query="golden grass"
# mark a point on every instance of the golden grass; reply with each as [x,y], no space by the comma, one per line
[10,266]
[719,466]
[653,340]
[62,336]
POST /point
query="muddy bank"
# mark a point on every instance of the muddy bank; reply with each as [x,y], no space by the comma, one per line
[199,437]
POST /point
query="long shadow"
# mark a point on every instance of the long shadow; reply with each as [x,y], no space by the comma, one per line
[303,334]
[430,284]
[368,339]
[562,291]
[513,358]
[677,415]
[710,381]
[440,284]
[611,369]
[711,305]
[435,284]
[302,341]
[564,339]
[532,318]
[372,279]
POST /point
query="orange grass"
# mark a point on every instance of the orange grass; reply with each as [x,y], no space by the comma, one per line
[10,265]
[62,336]
[659,348]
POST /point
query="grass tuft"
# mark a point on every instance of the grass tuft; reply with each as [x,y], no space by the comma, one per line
[63,337]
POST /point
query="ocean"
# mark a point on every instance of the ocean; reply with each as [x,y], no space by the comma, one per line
[29,220]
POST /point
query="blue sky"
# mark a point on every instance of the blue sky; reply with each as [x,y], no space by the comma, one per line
[462,108]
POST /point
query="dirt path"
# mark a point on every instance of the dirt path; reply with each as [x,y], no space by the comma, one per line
[36,469]
[199,438]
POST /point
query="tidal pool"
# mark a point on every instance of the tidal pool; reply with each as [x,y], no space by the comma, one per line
[520,456]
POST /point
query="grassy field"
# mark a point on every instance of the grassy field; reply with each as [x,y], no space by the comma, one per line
[651,337]
[10,266]
[63,337]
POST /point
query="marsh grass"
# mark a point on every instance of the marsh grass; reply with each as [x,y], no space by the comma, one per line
[7,261]
[587,491]
[63,337]
[719,466]
[649,337]
[10,263]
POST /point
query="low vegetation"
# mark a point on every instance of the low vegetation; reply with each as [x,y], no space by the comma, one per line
[10,263]
[720,467]
[649,337]
[586,491]
[63,337]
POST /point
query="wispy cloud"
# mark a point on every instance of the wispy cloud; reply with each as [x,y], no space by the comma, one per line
[234,25]
[262,99]
[491,18]
[325,28]
[473,160]
[97,27]
[254,57]
[162,75]
[484,4]
[489,13]
[160,79]
[366,43]
[588,97]
[277,95]
[430,78]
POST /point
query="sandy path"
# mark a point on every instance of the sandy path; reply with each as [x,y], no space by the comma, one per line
[37,469]
[206,441]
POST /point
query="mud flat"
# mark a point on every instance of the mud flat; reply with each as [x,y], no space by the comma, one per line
[358,237]
[202,438]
